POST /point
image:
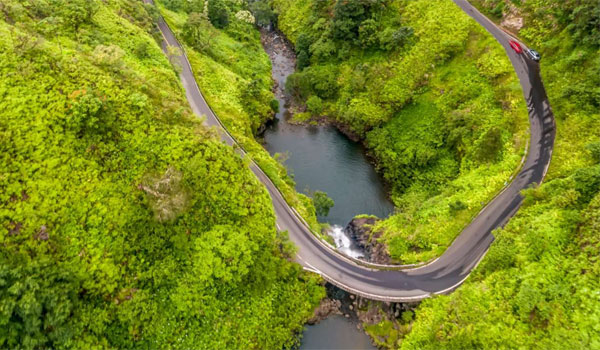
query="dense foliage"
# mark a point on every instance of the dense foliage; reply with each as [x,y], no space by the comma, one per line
[124,222]
[323,203]
[538,285]
[432,95]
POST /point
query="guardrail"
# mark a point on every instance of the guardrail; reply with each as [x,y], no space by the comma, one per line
[315,236]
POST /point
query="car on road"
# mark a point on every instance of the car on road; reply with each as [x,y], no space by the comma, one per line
[534,55]
[515,46]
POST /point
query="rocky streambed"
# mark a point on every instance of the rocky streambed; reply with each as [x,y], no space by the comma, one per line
[357,315]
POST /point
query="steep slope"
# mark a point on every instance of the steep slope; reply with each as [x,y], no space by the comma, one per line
[538,286]
[124,222]
[234,73]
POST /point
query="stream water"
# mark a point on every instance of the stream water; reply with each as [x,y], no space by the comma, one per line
[322,158]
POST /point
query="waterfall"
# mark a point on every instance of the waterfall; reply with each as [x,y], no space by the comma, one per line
[343,243]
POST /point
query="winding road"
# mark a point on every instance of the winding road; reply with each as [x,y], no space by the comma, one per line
[443,275]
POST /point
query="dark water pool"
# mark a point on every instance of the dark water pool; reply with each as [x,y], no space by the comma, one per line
[335,332]
[321,157]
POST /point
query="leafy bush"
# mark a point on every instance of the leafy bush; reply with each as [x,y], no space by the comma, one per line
[274,105]
[323,203]
[489,145]
[391,39]
[302,60]
[457,206]
[367,33]
[587,182]
[348,16]
[75,13]
[594,149]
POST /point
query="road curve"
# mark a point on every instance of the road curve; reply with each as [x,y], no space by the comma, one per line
[446,273]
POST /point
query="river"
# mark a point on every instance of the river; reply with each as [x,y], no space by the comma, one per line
[322,158]
[335,332]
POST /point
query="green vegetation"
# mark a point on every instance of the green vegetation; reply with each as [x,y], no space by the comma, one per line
[431,94]
[124,222]
[323,203]
[538,285]
[234,74]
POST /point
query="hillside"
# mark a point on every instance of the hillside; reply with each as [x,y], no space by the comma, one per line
[538,285]
[124,222]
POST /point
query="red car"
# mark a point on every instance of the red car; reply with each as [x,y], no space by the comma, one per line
[515,46]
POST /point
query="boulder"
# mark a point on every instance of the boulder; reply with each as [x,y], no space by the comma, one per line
[360,230]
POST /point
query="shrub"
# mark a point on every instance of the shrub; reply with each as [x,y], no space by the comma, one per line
[302,60]
[141,49]
[594,149]
[587,183]
[298,85]
[323,80]
[323,49]
[109,56]
[303,42]
[274,104]
[173,5]
[489,145]
[498,9]
[198,33]
[77,12]
[323,203]
[391,39]
[367,33]
[457,206]
[347,17]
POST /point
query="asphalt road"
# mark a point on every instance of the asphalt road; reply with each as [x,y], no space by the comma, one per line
[451,269]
